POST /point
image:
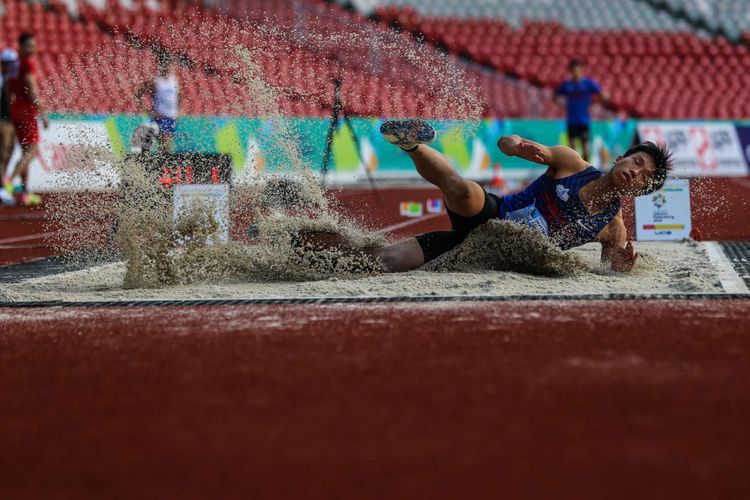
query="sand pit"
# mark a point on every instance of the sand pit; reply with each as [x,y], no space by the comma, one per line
[662,268]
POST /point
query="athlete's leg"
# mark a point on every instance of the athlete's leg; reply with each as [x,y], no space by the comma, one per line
[462,196]
[396,257]
[167,127]
[585,143]
[6,145]
[28,152]
[406,255]
[166,142]
[6,150]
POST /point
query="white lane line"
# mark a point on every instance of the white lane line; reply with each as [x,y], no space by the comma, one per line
[730,280]
[408,223]
[742,181]
[16,239]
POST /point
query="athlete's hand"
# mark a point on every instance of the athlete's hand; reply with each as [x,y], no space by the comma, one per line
[623,259]
[515,145]
[45,121]
[531,151]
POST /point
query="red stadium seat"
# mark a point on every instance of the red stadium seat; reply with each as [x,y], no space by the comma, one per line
[641,71]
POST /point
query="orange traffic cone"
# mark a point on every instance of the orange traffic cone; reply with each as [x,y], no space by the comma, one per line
[497,184]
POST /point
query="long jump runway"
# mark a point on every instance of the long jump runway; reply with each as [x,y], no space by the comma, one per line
[441,396]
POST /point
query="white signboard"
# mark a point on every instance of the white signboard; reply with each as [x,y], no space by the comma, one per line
[73,155]
[665,214]
[699,148]
[215,196]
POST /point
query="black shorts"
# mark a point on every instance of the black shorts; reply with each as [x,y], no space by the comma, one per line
[438,242]
[578,131]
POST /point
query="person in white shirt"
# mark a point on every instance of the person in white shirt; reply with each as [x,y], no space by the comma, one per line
[164,90]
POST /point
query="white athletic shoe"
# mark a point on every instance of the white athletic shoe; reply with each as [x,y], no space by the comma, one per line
[6,198]
[407,134]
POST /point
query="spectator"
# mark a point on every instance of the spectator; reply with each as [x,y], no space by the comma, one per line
[25,111]
[9,60]
[165,101]
[576,95]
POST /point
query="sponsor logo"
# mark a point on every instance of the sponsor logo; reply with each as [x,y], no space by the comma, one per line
[584,226]
[410,209]
[435,205]
[659,200]
[562,192]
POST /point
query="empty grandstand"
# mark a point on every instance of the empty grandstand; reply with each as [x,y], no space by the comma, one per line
[652,63]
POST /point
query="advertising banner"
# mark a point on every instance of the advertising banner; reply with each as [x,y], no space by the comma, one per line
[665,214]
[75,149]
[73,155]
[700,148]
[744,133]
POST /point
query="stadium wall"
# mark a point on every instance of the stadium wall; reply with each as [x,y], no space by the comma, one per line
[83,145]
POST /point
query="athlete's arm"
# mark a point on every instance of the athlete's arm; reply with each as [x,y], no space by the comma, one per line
[597,92]
[560,158]
[560,95]
[616,248]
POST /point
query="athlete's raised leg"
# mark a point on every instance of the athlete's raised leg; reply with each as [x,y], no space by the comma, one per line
[462,196]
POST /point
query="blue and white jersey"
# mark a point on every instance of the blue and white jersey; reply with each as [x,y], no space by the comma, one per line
[569,224]
[166,96]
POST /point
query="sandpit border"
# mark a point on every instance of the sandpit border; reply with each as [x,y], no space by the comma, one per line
[376,300]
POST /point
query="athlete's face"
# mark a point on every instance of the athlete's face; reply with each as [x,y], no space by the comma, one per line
[632,174]
[28,48]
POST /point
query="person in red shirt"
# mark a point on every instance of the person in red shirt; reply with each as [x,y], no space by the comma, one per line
[25,111]
[8,61]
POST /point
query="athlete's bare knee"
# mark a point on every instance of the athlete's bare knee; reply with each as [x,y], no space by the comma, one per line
[458,190]
[461,190]
[465,198]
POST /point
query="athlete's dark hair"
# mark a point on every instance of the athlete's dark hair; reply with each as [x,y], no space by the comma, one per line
[23,37]
[663,163]
[575,63]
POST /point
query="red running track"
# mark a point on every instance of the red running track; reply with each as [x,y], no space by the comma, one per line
[618,399]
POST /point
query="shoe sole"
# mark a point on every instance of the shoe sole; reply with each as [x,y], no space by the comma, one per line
[402,132]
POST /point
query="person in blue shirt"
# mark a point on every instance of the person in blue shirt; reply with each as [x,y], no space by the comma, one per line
[572,203]
[576,96]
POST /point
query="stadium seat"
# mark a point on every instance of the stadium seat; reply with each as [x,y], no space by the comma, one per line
[632,64]
[650,65]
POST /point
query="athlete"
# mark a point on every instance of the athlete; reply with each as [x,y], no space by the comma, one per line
[573,203]
[25,111]
[8,62]
[576,95]
[165,101]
